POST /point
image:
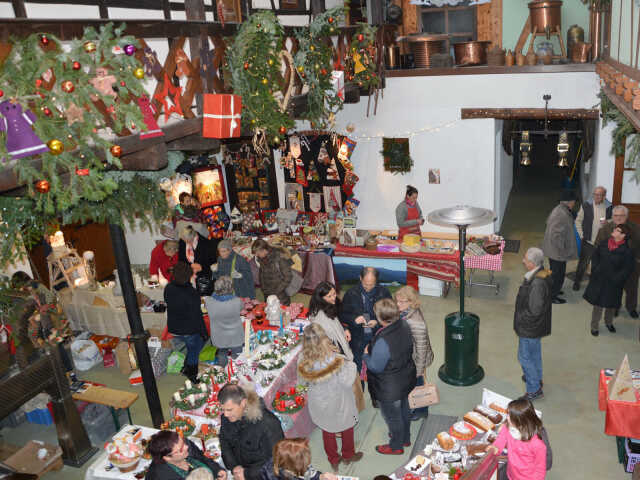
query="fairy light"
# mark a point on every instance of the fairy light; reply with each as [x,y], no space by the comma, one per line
[409,133]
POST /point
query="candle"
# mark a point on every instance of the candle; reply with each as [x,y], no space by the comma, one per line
[280,332]
[191,398]
[247,335]
[187,384]
[176,396]
[203,387]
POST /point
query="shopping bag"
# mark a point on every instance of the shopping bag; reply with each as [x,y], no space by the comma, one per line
[208,354]
[424,395]
[358,393]
[159,356]
[175,362]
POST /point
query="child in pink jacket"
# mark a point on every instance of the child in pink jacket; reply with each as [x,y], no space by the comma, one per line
[526,452]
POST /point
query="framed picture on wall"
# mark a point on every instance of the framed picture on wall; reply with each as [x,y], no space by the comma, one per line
[208,186]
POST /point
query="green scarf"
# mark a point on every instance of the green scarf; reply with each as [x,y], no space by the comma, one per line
[193,463]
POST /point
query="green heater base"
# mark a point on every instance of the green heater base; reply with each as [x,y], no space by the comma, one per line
[461,350]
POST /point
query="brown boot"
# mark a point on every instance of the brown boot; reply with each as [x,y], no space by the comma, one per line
[356,458]
[334,466]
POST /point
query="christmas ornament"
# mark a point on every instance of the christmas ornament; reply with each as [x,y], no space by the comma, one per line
[103,83]
[151,63]
[360,37]
[129,49]
[138,73]
[116,150]
[46,111]
[68,86]
[168,89]
[122,83]
[21,140]
[55,146]
[183,65]
[148,111]
[1,93]
[89,47]
[76,66]
[74,114]
[42,186]
[38,82]
[82,172]
[44,40]
[300,69]
[265,81]
[246,65]
[330,20]
[282,130]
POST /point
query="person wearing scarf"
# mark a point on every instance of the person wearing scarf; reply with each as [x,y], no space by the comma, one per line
[611,265]
[409,214]
[227,332]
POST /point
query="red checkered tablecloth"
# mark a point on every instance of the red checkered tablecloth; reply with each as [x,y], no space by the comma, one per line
[485,262]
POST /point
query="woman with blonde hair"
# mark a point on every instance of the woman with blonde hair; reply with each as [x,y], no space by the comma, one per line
[408,302]
[292,461]
[332,404]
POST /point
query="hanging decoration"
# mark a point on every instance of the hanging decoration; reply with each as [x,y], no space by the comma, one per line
[148,115]
[361,61]
[175,93]
[314,65]
[396,155]
[21,140]
[255,64]
[625,139]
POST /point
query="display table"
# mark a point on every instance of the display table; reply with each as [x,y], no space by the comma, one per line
[103,313]
[440,266]
[490,263]
[112,398]
[622,419]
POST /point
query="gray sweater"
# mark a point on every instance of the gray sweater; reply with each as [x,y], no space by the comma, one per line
[226,324]
[401,215]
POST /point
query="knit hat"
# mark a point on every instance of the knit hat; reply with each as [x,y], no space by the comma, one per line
[569,195]
[225,244]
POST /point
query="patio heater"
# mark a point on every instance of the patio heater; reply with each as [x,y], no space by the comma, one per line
[462,328]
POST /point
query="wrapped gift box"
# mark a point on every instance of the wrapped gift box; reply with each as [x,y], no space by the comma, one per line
[221,118]
[337,80]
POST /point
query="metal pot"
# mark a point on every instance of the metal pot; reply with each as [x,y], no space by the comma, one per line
[423,46]
[545,15]
[392,56]
[471,53]
[574,34]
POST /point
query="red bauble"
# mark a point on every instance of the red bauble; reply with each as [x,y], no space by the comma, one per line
[360,37]
[299,400]
[46,111]
[38,82]
[116,150]
[246,65]
[44,40]
[292,391]
[323,71]
[207,410]
[42,186]
[1,93]
[282,130]
[68,86]
[82,172]
[76,65]
[122,84]
[330,19]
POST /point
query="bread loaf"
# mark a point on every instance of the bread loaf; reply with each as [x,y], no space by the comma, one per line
[492,415]
[497,408]
[445,441]
[478,420]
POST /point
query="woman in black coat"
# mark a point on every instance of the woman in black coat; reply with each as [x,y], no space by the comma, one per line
[174,458]
[184,317]
[611,264]
[197,251]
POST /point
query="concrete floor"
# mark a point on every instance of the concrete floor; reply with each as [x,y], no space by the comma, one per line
[572,361]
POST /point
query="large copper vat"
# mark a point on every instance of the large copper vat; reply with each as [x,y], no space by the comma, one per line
[545,15]
[471,53]
[424,45]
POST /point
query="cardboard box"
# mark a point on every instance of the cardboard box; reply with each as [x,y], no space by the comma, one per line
[26,459]
[122,358]
[157,332]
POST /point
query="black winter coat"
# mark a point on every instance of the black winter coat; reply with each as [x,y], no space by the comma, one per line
[609,272]
[532,317]
[162,470]
[351,307]
[206,253]
[249,441]
[184,316]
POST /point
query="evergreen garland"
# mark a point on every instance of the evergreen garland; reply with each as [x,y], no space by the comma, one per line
[361,62]
[23,79]
[624,135]
[255,66]
[314,64]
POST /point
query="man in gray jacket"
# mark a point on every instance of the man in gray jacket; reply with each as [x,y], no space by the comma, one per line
[532,320]
[559,243]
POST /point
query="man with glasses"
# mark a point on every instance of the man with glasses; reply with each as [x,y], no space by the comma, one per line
[620,216]
[591,217]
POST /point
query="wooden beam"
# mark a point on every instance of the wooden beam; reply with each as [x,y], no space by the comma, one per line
[195,11]
[491,70]
[624,69]
[139,4]
[18,8]
[496,22]
[530,113]
[151,158]
[351,93]
[194,143]
[171,132]
[624,107]
[103,9]
[166,9]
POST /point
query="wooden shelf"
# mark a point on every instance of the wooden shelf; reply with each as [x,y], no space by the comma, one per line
[491,70]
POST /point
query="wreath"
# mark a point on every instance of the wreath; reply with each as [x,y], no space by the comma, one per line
[290,402]
[212,410]
[181,425]
[361,61]
[183,404]
[217,374]
[270,361]
[396,155]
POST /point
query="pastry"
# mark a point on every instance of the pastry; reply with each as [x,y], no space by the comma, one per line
[445,441]
[491,437]
[492,415]
[420,460]
[478,420]
[497,408]
[463,431]
[476,448]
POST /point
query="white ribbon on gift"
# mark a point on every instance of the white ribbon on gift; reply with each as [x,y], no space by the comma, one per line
[233,117]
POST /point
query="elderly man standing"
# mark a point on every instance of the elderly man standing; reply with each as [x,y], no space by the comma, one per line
[591,217]
[560,242]
[620,216]
[357,314]
[532,320]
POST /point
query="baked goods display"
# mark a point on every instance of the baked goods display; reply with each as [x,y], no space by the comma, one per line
[478,420]
[497,408]
[445,441]
[476,449]
[492,415]
[462,431]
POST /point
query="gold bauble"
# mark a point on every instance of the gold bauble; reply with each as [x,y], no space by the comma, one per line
[301,69]
[89,47]
[138,73]
[42,186]
[270,61]
[265,81]
[56,147]
[116,150]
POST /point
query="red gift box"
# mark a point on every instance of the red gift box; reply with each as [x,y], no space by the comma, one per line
[221,118]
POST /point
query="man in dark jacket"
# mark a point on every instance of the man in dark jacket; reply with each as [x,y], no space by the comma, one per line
[532,320]
[391,374]
[357,313]
[620,216]
[591,217]
[248,432]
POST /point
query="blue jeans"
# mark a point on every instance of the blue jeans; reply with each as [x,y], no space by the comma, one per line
[222,354]
[418,413]
[396,416]
[358,350]
[194,344]
[530,358]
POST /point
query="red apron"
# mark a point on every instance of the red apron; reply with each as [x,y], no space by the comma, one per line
[412,214]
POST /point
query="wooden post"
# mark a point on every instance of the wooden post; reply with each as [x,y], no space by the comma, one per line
[195,11]
[18,9]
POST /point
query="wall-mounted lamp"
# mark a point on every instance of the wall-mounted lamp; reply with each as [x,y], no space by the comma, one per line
[525,149]
[563,149]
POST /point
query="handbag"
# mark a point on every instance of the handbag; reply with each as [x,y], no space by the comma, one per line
[424,395]
[295,284]
[204,284]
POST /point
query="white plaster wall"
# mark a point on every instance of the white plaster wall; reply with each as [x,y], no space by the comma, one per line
[602,169]
[503,176]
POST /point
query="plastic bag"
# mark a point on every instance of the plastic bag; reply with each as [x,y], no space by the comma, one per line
[175,362]
[158,355]
[85,354]
[208,354]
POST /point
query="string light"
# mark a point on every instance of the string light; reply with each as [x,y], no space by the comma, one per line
[408,134]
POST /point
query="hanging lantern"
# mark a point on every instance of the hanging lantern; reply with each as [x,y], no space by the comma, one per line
[563,149]
[525,149]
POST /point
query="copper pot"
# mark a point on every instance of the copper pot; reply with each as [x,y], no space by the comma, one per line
[545,15]
[423,46]
[580,52]
[470,53]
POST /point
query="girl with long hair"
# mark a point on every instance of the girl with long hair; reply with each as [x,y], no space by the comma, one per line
[323,310]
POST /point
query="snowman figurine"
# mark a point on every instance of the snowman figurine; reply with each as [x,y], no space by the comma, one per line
[272,310]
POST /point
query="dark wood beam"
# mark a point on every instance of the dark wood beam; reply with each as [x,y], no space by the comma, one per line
[164,5]
[18,8]
[196,143]
[70,29]
[151,158]
[351,93]
[530,113]
[103,9]
[166,9]
[171,132]
[195,11]
[624,107]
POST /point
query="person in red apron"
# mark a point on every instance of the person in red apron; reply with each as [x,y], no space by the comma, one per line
[408,214]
